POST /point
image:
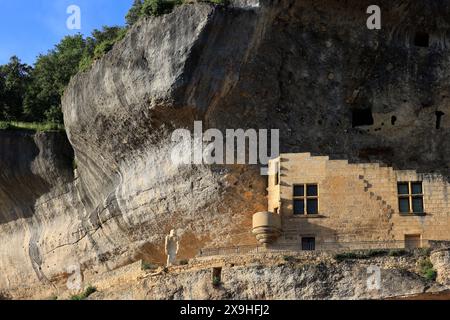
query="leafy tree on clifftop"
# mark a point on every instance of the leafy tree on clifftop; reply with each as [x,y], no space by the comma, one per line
[14,79]
[134,13]
[50,77]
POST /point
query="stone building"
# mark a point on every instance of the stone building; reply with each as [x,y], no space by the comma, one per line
[318,203]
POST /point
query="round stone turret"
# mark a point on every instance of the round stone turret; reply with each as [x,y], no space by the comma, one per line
[266,227]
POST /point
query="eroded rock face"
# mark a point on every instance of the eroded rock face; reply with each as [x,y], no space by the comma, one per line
[441,263]
[297,66]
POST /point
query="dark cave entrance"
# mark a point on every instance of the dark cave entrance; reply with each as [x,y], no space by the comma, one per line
[393,120]
[362,117]
[216,276]
[422,39]
[439,115]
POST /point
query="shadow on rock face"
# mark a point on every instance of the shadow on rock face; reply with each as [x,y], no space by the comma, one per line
[31,165]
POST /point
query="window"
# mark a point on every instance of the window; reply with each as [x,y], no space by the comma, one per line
[439,115]
[410,197]
[422,39]
[362,117]
[309,244]
[306,199]
[277,174]
[216,276]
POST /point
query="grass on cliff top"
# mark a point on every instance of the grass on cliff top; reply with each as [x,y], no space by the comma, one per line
[31,126]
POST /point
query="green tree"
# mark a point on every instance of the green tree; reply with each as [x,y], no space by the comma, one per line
[100,42]
[134,13]
[51,75]
[14,79]
[159,7]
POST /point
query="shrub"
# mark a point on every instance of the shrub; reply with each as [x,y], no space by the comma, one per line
[103,48]
[89,291]
[397,253]
[85,63]
[222,2]
[345,256]
[430,274]
[360,255]
[427,269]
[4,125]
[216,281]
[158,7]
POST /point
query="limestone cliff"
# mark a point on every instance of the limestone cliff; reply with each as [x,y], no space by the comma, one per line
[309,68]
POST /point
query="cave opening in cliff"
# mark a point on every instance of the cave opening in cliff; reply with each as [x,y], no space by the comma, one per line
[393,120]
[422,39]
[362,117]
[439,115]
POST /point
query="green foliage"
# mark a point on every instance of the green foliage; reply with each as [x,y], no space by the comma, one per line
[82,296]
[14,79]
[346,256]
[5,125]
[85,62]
[103,48]
[31,126]
[34,94]
[216,281]
[222,2]
[51,75]
[427,270]
[159,7]
[360,255]
[397,252]
[134,13]
[101,42]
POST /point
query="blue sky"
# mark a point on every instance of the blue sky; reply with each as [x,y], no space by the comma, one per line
[31,27]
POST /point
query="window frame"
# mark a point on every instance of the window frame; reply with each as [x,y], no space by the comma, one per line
[305,199]
[308,241]
[410,196]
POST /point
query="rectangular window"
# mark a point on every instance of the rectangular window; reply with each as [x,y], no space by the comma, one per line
[277,174]
[306,199]
[309,244]
[410,197]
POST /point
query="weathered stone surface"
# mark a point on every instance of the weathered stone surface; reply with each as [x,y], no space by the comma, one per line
[286,275]
[254,67]
[441,263]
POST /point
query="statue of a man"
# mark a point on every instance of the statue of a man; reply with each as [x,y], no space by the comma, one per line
[171,248]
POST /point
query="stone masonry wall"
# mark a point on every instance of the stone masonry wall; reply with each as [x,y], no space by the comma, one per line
[357,202]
